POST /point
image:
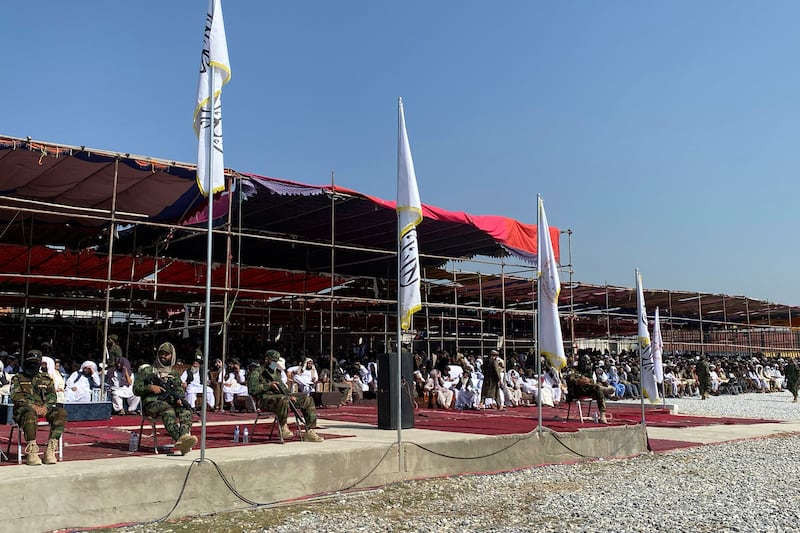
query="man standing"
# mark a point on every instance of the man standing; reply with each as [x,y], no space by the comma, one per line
[160,388]
[270,394]
[34,396]
[114,350]
[491,380]
[792,373]
[703,377]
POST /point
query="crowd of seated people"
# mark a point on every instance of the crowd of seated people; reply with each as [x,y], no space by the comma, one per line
[441,379]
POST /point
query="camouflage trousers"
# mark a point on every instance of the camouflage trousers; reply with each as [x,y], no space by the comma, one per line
[177,420]
[589,390]
[27,419]
[279,404]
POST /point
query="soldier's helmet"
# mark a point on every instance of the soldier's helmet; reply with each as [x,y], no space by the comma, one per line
[272,355]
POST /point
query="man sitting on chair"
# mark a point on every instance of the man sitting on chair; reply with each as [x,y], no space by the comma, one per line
[166,399]
[34,396]
[270,394]
[192,379]
[306,376]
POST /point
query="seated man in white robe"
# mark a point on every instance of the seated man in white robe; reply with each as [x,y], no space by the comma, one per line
[468,392]
[235,382]
[120,382]
[530,385]
[80,383]
[192,379]
[306,376]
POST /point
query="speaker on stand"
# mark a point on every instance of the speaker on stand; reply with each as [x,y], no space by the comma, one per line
[387,391]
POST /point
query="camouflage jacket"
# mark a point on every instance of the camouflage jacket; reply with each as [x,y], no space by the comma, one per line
[258,384]
[38,390]
[142,382]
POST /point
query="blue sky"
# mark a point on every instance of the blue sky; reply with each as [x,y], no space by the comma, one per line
[663,134]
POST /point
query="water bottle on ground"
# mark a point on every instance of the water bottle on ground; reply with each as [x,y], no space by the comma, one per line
[133,442]
[596,417]
[246,436]
[236,435]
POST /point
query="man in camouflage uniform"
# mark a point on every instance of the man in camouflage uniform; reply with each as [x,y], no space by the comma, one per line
[34,396]
[114,350]
[792,373]
[580,386]
[269,392]
[157,402]
[703,372]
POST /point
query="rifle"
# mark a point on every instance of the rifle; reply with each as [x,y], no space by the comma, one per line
[299,417]
[170,393]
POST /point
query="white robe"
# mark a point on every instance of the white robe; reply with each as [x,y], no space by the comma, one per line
[234,385]
[195,387]
[79,387]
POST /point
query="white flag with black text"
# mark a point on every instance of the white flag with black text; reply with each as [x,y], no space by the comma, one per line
[409,215]
[215,71]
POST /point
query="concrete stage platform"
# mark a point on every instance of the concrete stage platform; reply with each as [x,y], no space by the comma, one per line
[128,488]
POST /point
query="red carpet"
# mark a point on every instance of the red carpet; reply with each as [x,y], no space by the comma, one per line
[525,419]
[98,439]
[103,439]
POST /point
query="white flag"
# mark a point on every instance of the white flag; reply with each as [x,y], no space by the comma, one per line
[213,60]
[409,215]
[551,344]
[647,377]
[658,350]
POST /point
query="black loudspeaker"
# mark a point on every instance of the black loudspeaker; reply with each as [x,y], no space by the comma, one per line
[387,391]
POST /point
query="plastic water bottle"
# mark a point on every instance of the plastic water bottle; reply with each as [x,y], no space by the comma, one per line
[236,435]
[133,442]
[246,436]
[596,417]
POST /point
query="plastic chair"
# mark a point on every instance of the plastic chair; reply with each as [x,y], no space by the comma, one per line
[154,434]
[39,423]
[580,409]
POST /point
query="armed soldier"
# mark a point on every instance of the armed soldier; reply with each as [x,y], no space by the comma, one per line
[581,386]
[159,386]
[34,396]
[267,388]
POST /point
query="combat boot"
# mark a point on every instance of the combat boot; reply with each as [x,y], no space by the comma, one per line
[50,452]
[603,419]
[185,444]
[311,436]
[286,433]
[32,451]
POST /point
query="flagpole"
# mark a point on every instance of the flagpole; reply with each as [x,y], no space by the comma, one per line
[538,312]
[641,363]
[398,381]
[209,258]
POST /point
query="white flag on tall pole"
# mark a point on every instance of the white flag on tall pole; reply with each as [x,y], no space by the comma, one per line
[551,344]
[658,350]
[215,71]
[648,380]
[409,215]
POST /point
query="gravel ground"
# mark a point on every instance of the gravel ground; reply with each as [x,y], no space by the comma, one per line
[738,486]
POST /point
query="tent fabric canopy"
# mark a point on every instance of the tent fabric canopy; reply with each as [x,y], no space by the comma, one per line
[72,190]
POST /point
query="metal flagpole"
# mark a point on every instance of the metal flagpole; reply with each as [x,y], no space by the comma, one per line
[398,381]
[209,258]
[639,341]
[538,314]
